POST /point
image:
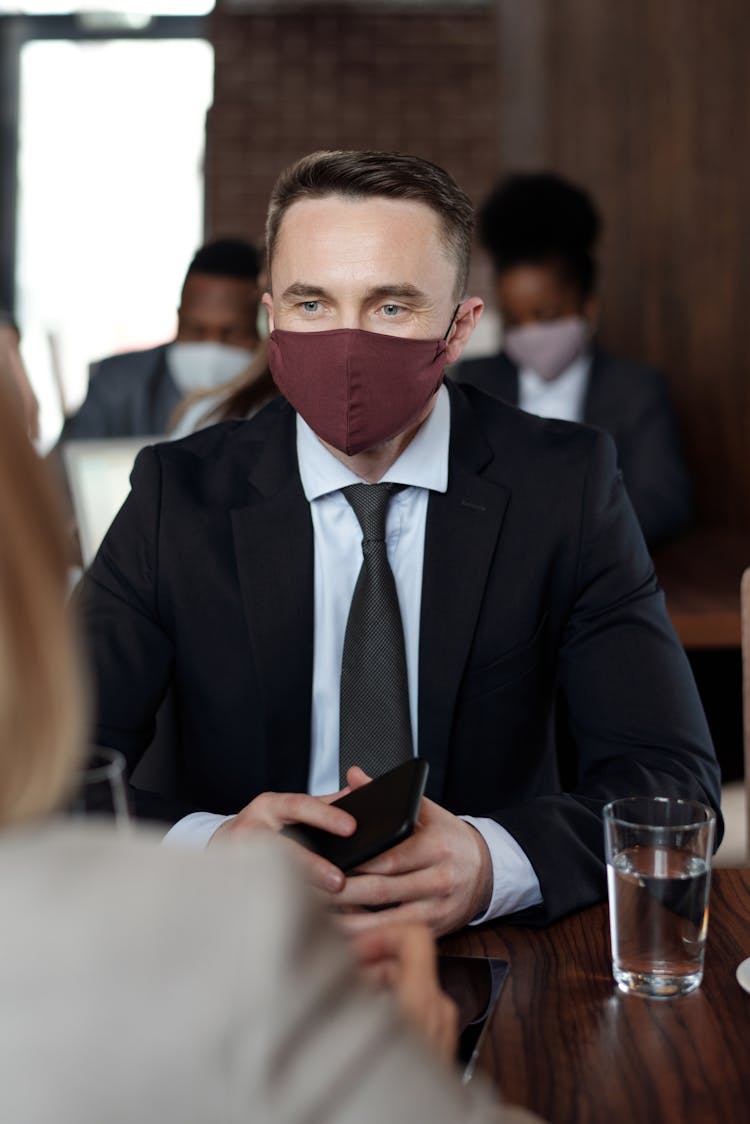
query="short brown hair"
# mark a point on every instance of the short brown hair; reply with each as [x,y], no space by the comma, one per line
[362,175]
[41,708]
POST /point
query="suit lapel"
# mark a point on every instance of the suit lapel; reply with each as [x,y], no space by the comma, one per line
[463,526]
[274,551]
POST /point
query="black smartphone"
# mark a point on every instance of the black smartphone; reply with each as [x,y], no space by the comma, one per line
[474,984]
[386,812]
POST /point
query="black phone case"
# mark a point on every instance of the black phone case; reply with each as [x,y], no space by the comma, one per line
[386,812]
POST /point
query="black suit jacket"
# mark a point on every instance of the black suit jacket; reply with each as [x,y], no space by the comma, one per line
[535,574]
[631,402]
[129,395]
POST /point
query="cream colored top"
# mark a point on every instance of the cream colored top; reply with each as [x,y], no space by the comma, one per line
[169,987]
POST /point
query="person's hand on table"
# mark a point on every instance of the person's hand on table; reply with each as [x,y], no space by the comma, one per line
[441,876]
[272,811]
[402,958]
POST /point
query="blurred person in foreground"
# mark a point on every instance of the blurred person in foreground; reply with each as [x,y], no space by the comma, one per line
[136,394]
[152,985]
[540,232]
[504,562]
[13,374]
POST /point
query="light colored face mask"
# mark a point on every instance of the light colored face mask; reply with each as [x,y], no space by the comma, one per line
[205,365]
[548,349]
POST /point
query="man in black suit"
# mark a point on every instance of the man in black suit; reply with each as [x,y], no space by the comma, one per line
[136,394]
[517,560]
[540,231]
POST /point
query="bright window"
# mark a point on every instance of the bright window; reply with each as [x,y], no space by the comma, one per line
[110,204]
[124,7]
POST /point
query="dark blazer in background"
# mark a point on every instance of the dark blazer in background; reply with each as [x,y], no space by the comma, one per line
[631,402]
[130,395]
[535,576]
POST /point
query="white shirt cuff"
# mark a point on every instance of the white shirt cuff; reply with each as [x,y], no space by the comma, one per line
[514,884]
[195,830]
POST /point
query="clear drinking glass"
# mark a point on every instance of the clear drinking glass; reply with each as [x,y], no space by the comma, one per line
[102,788]
[658,853]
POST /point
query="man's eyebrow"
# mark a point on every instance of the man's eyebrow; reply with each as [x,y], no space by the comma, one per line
[302,291]
[403,292]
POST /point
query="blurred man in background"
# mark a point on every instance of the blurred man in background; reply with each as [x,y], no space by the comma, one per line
[136,394]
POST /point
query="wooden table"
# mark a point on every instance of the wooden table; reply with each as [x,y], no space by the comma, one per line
[700,575]
[567,1044]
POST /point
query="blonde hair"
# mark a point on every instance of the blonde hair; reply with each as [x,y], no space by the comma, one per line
[41,709]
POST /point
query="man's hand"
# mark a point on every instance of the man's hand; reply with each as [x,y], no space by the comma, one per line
[441,875]
[402,957]
[271,811]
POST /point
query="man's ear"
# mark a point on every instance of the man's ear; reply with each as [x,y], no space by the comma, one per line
[466,321]
[267,301]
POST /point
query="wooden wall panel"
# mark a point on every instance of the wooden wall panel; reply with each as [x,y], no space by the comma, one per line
[337,75]
[648,104]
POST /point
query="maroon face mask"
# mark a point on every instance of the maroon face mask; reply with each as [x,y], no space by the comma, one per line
[356,389]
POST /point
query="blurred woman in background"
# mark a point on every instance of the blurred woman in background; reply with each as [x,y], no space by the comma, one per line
[541,233]
[240,398]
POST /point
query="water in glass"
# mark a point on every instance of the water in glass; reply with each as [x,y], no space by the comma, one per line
[658,917]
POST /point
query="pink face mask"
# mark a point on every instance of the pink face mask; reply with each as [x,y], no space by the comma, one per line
[356,389]
[548,348]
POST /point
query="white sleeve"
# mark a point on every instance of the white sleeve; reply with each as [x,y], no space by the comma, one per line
[195,830]
[514,883]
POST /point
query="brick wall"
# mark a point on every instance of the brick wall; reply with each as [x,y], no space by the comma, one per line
[293,81]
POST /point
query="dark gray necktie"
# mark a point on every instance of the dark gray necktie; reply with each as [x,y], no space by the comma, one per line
[375,727]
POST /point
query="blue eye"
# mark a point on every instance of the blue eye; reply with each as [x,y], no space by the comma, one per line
[391,309]
[311,306]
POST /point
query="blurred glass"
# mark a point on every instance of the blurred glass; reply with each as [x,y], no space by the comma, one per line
[102,788]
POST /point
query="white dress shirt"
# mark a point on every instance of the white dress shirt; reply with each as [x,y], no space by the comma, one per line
[563,397]
[337,537]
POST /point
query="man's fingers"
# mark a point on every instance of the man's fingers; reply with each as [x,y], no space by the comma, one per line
[300,808]
[356,777]
[386,890]
[330,797]
[282,809]
[359,921]
[414,853]
[322,874]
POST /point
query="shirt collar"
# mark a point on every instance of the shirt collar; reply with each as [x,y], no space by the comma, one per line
[423,463]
